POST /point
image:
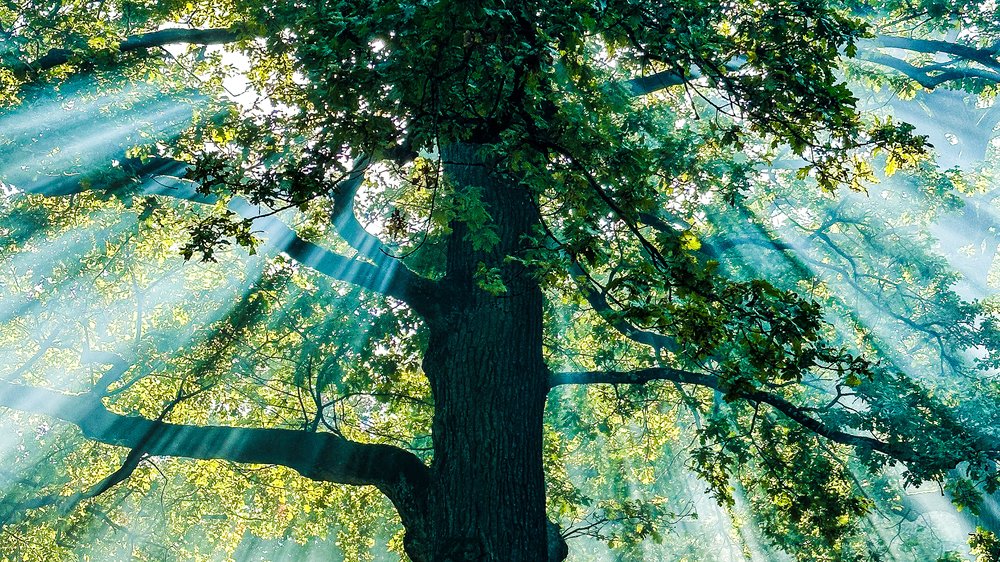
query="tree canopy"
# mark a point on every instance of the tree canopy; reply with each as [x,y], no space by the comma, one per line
[499,280]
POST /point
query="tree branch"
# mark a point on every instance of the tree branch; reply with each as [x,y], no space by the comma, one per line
[68,503]
[117,367]
[326,457]
[215,36]
[793,412]
[645,85]
[985,57]
[599,302]
[165,177]
[390,277]
[603,308]
[923,76]
[139,42]
[346,223]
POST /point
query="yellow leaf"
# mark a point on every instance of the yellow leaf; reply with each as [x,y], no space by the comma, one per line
[891,165]
[690,241]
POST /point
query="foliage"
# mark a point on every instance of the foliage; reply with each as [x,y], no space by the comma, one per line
[199,259]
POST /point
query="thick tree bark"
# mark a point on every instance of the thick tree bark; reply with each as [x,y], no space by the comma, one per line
[484,362]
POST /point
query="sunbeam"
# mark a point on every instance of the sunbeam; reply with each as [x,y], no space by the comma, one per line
[501,281]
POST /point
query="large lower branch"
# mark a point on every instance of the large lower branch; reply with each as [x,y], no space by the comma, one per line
[795,413]
[318,456]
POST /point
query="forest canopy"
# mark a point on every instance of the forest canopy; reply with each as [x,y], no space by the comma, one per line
[499,280]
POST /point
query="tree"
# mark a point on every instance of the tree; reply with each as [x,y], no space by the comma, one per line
[531,181]
[948,50]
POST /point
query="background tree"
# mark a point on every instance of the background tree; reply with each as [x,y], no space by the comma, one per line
[480,257]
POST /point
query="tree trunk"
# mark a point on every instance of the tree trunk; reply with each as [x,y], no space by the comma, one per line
[484,361]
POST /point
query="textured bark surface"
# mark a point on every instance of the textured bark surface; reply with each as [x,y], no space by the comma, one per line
[484,360]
